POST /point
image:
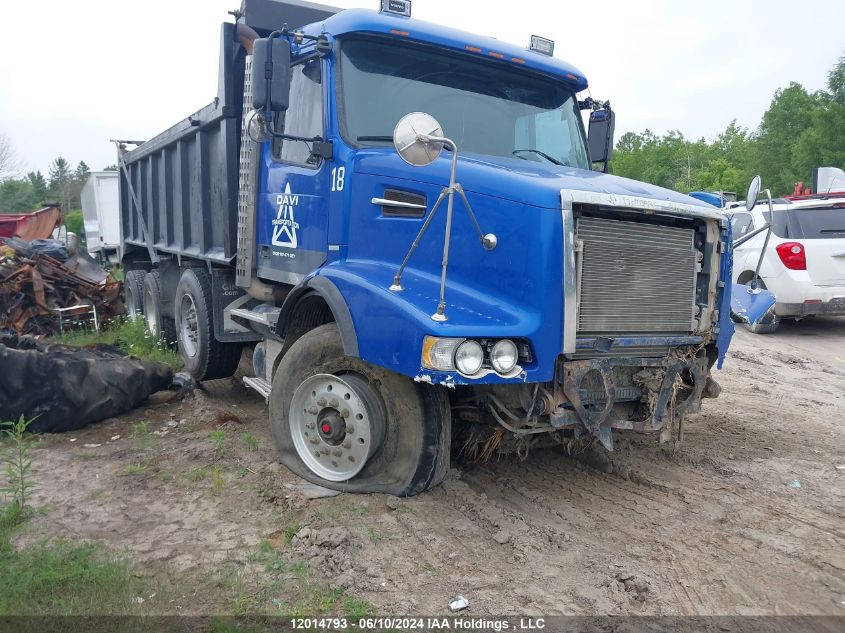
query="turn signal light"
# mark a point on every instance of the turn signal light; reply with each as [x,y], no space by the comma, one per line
[792,255]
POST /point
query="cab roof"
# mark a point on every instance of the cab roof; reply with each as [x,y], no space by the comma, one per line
[368,21]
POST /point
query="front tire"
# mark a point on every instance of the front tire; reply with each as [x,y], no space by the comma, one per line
[347,425]
[204,357]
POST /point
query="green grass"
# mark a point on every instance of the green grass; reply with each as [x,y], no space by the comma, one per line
[58,577]
[197,475]
[134,469]
[250,441]
[374,535]
[129,335]
[218,439]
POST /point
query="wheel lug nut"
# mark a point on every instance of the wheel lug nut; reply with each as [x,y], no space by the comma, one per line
[347,444]
[310,425]
[334,404]
[325,451]
[344,413]
[337,452]
[313,410]
[314,440]
[350,429]
[321,402]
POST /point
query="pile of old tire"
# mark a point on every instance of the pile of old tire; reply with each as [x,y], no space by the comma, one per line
[65,388]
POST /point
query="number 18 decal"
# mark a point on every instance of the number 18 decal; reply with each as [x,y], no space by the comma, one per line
[338,178]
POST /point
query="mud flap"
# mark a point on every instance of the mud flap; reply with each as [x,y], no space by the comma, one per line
[752,306]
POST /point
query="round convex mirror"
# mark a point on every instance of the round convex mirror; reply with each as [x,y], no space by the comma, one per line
[753,192]
[411,139]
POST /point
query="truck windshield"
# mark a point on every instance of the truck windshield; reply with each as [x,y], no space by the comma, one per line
[485,107]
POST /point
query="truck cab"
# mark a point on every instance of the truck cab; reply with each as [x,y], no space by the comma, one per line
[405,224]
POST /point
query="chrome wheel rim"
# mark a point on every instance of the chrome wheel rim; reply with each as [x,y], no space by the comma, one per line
[188,327]
[150,317]
[334,425]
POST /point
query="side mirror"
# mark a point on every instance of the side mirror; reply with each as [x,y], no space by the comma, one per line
[270,74]
[600,137]
[412,139]
[753,193]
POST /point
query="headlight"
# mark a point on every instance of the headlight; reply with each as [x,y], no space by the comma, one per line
[469,357]
[439,353]
[504,356]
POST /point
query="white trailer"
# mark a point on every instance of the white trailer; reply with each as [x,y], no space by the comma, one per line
[101,213]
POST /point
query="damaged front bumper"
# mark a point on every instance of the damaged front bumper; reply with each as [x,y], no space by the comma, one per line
[593,396]
[642,394]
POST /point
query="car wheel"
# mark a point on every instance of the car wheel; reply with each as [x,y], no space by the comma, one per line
[204,357]
[348,425]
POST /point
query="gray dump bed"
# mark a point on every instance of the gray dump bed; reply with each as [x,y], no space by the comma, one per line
[185,180]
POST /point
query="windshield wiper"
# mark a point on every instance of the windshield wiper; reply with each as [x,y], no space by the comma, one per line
[385,138]
[537,151]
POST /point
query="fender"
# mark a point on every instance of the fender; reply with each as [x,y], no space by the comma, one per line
[391,326]
[337,304]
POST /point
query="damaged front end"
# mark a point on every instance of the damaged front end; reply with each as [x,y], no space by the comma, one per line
[590,397]
[646,296]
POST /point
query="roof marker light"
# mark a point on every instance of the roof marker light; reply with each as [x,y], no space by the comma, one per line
[542,45]
[496,55]
[473,49]
[396,7]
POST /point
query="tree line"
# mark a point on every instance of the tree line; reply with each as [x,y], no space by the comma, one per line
[62,185]
[801,130]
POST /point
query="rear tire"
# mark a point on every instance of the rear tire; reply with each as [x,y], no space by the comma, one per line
[407,426]
[204,357]
[133,293]
[160,327]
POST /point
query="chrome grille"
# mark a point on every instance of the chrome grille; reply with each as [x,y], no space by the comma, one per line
[635,277]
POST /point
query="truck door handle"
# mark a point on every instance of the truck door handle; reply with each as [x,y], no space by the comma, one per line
[384,202]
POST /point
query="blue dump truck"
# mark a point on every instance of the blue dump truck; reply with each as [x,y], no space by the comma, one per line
[412,232]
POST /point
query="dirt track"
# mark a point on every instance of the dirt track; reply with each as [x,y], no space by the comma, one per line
[746,517]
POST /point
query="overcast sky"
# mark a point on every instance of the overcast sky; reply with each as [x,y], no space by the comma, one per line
[75,74]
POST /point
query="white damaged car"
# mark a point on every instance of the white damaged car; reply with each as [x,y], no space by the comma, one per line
[803,262]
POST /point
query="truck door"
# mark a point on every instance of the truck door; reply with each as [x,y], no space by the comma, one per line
[291,231]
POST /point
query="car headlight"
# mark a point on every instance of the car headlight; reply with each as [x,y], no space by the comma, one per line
[504,356]
[469,357]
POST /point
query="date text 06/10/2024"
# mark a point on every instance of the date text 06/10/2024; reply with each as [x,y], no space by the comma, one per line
[479,625]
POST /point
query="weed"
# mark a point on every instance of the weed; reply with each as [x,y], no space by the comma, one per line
[130,336]
[374,535]
[18,463]
[218,439]
[300,570]
[219,482]
[134,469]
[291,530]
[197,475]
[250,441]
[140,430]
[355,608]
[241,472]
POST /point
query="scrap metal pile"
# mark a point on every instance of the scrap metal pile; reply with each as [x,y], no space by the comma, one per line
[39,281]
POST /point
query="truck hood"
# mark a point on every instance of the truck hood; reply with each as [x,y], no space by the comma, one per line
[516,180]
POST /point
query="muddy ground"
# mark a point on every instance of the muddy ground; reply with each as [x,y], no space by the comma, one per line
[745,517]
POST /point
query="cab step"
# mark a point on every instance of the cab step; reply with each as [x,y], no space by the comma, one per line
[258,384]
